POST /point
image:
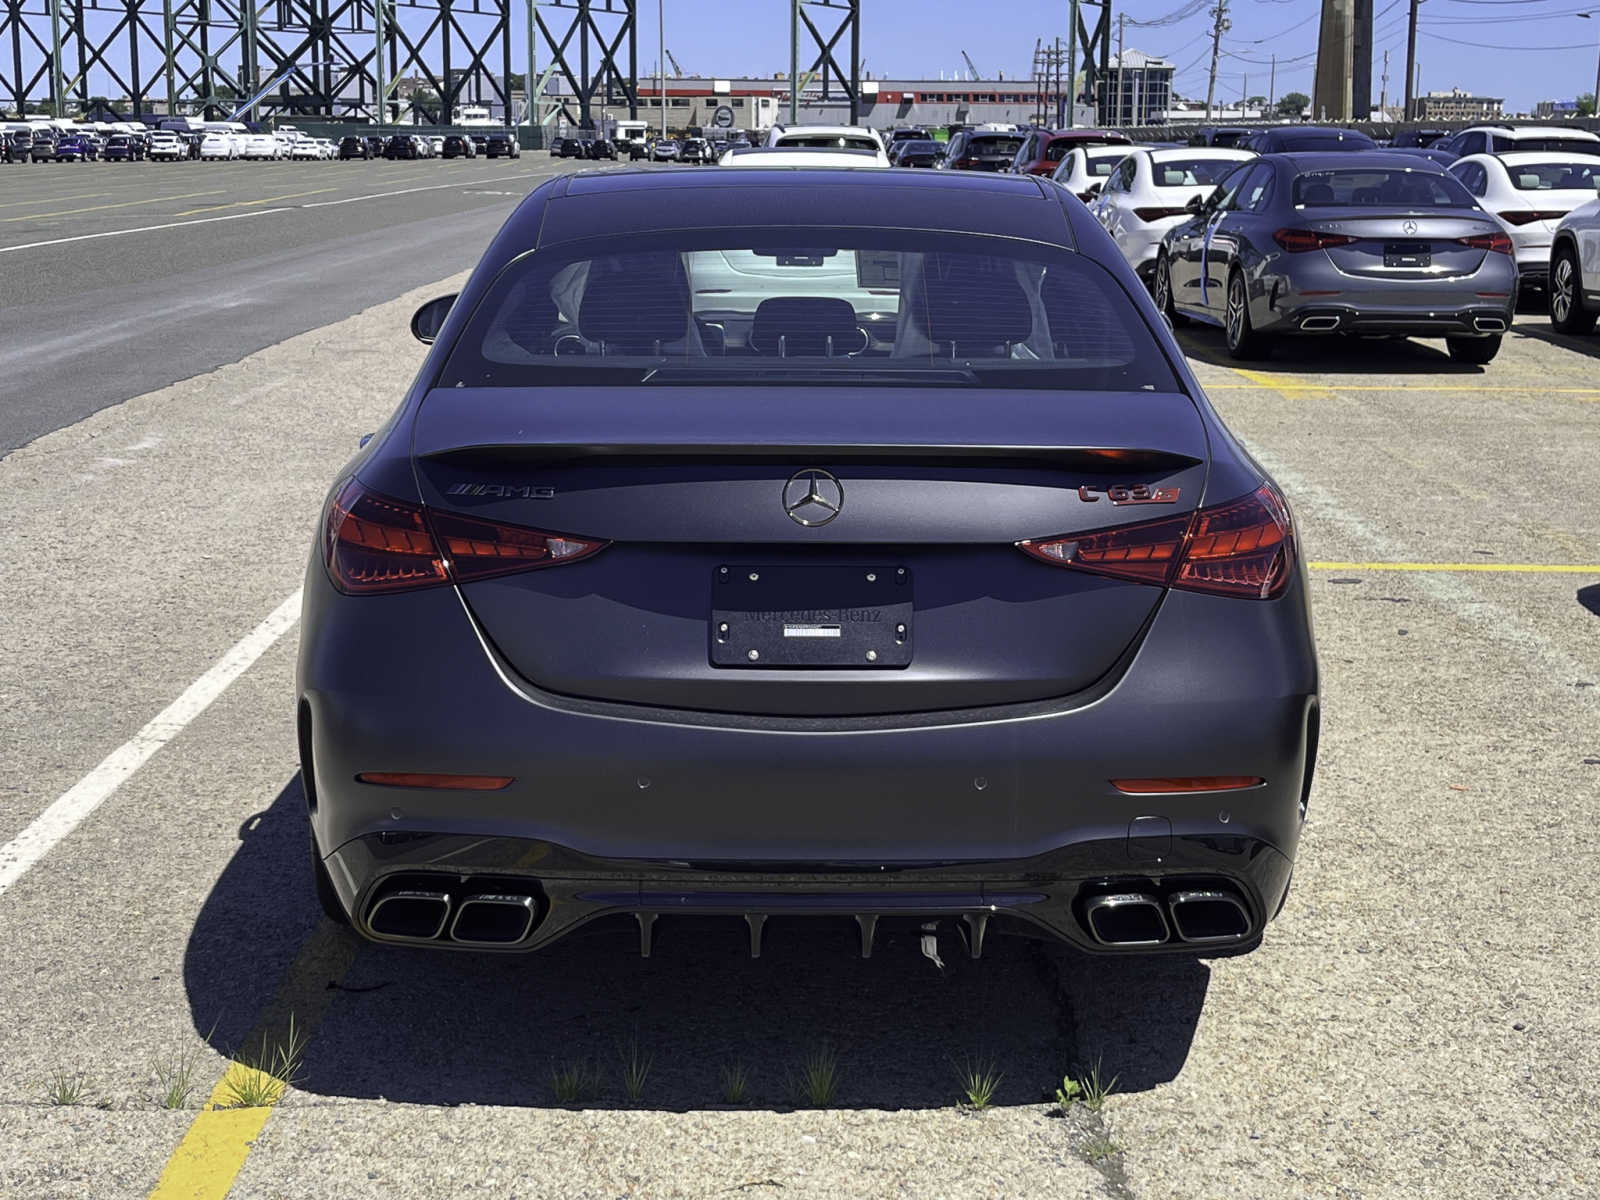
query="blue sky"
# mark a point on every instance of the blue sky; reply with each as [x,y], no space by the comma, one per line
[1523,50]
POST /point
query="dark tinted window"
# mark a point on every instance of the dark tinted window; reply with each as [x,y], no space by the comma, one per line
[1197,171]
[809,308]
[1553,176]
[1057,150]
[1379,186]
[1322,139]
[995,143]
[1560,145]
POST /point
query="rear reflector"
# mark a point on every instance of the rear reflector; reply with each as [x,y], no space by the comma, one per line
[1497,242]
[1243,548]
[413,779]
[1187,783]
[375,543]
[1298,241]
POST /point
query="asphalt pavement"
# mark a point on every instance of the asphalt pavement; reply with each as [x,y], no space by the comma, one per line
[1423,1020]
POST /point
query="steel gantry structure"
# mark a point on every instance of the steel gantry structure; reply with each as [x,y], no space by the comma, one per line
[329,59]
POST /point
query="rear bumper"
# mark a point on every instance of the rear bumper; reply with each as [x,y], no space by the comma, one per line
[619,808]
[1480,320]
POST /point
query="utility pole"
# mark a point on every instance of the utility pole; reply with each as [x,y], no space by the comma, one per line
[661,62]
[1122,26]
[1411,63]
[1072,65]
[1220,12]
[1383,92]
[1272,84]
[794,62]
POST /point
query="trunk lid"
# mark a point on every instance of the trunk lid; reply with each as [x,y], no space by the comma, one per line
[1406,245]
[694,487]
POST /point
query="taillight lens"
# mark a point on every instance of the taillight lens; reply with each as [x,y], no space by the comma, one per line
[1158,214]
[1498,242]
[1298,241]
[375,543]
[1242,548]
[1527,216]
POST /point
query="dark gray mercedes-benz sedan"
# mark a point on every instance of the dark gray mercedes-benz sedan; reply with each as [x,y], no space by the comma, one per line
[800,543]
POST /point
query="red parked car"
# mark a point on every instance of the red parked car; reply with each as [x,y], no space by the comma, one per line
[1042,150]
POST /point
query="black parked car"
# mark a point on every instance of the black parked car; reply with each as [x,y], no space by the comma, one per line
[900,625]
[498,145]
[121,147]
[375,143]
[601,148]
[573,148]
[555,146]
[458,145]
[401,145]
[915,153]
[1302,139]
[354,147]
[695,151]
[15,145]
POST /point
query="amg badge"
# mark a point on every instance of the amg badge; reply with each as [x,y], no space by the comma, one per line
[1138,493]
[501,491]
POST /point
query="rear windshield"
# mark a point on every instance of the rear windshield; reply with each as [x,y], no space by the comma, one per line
[919,147]
[1229,137]
[1351,140]
[1197,171]
[829,141]
[995,144]
[1058,150]
[1379,186]
[808,308]
[1553,176]
[1559,145]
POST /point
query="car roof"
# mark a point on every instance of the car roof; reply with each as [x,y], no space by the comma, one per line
[1321,160]
[1169,154]
[808,130]
[1533,131]
[1512,158]
[605,203]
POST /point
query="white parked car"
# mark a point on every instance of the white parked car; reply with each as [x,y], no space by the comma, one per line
[1085,169]
[1575,270]
[436,145]
[1149,193]
[789,156]
[328,148]
[825,137]
[1530,192]
[306,150]
[260,146]
[1503,139]
[165,145]
[217,145]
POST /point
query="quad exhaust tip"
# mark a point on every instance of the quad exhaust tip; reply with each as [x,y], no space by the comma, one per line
[1209,917]
[1127,919]
[493,920]
[1319,324]
[1489,324]
[413,915]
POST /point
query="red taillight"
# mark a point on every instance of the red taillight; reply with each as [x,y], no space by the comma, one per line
[1187,783]
[1527,216]
[420,779]
[1242,548]
[1298,241]
[375,543]
[1497,242]
[1158,214]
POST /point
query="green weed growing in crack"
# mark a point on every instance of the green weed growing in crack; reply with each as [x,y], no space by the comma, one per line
[735,1083]
[635,1068]
[575,1082]
[1089,1089]
[817,1084]
[980,1079]
[174,1078]
[66,1088]
[1098,1148]
[259,1079]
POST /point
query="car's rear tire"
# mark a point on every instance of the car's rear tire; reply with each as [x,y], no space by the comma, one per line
[1568,314]
[1476,350]
[1244,343]
[1161,292]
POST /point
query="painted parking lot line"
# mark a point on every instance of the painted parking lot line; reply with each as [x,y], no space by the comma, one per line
[120,204]
[72,807]
[1489,568]
[1286,384]
[252,203]
[54,199]
[408,191]
[109,233]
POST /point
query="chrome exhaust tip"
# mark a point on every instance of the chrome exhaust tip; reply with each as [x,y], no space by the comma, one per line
[493,920]
[1319,324]
[415,916]
[1126,919]
[1489,324]
[1209,917]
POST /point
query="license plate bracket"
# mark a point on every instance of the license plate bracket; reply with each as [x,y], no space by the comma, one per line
[1408,254]
[810,617]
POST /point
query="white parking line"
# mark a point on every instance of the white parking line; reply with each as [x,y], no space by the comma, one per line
[74,805]
[87,237]
[463,184]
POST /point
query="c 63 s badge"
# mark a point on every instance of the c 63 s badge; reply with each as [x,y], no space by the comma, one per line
[1121,493]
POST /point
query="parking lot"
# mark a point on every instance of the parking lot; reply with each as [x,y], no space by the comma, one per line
[183,378]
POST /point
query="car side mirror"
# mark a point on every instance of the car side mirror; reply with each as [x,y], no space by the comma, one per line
[1095,189]
[429,319]
[1196,205]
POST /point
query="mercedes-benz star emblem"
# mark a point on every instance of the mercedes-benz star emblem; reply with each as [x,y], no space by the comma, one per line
[812,497]
[1409,227]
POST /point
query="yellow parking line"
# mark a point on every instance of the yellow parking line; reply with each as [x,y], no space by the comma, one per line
[54,199]
[125,204]
[1259,381]
[247,203]
[214,1150]
[1494,568]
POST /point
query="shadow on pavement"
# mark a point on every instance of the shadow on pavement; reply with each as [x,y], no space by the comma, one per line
[1332,354]
[441,1027]
[1589,597]
[1578,343]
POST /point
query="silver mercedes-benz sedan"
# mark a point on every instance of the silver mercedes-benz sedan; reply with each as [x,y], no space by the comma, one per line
[1368,243]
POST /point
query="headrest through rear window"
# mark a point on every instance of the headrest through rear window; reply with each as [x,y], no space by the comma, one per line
[974,302]
[636,301]
[805,323]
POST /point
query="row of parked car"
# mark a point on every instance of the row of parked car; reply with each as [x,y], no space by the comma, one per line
[32,143]
[1306,230]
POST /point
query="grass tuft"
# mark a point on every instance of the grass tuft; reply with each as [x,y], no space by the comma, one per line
[735,1083]
[980,1079]
[258,1080]
[635,1068]
[1099,1148]
[574,1082]
[1090,1089]
[174,1078]
[67,1088]
[818,1082]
